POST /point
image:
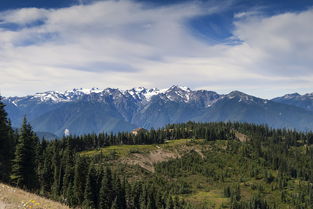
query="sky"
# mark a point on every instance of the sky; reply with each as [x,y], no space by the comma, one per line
[261,47]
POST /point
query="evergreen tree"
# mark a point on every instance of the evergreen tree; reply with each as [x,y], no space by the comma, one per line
[120,194]
[70,198]
[90,193]
[46,172]
[55,190]
[136,195]
[6,144]
[105,194]
[68,172]
[80,176]
[24,167]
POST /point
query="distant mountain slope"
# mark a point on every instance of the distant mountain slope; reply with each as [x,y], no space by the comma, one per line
[304,101]
[237,106]
[110,110]
[82,117]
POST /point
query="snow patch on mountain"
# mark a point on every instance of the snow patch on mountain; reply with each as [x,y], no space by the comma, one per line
[50,96]
[82,91]
[291,96]
[243,98]
[153,92]
[142,93]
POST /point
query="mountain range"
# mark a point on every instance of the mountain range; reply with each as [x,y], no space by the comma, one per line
[82,111]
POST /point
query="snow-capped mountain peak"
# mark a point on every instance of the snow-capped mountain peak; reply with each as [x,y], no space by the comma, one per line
[83,91]
[50,96]
[177,93]
[148,94]
[142,93]
[179,88]
[303,101]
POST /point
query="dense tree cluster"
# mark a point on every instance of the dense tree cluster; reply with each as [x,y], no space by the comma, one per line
[7,143]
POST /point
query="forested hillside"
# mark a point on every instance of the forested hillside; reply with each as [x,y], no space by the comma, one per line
[199,165]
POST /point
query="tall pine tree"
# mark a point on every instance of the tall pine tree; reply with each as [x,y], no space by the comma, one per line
[105,193]
[24,167]
[6,144]
[90,199]
[80,175]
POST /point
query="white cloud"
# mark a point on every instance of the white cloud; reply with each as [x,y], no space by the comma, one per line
[23,16]
[285,41]
[126,44]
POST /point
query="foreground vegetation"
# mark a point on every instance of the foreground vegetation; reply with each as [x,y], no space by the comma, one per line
[13,198]
[202,165]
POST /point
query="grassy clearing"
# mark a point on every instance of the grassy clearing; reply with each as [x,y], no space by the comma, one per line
[124,150]
[176,142]
[210,199]
[120,150]
[205,194]
[13,198]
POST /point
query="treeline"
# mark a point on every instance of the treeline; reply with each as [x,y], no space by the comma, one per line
[226,131]
[209,131]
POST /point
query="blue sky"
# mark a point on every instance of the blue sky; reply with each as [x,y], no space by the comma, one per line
[262,47]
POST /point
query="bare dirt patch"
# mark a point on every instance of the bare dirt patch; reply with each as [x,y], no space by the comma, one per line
[242,137]
[147,160]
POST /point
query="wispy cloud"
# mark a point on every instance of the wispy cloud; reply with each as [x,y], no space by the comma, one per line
[126,44]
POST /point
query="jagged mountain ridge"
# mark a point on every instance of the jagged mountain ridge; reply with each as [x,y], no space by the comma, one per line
[174,93]
[304,101]
[95,110]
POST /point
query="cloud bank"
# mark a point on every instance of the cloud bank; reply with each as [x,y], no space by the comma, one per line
[126,44]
